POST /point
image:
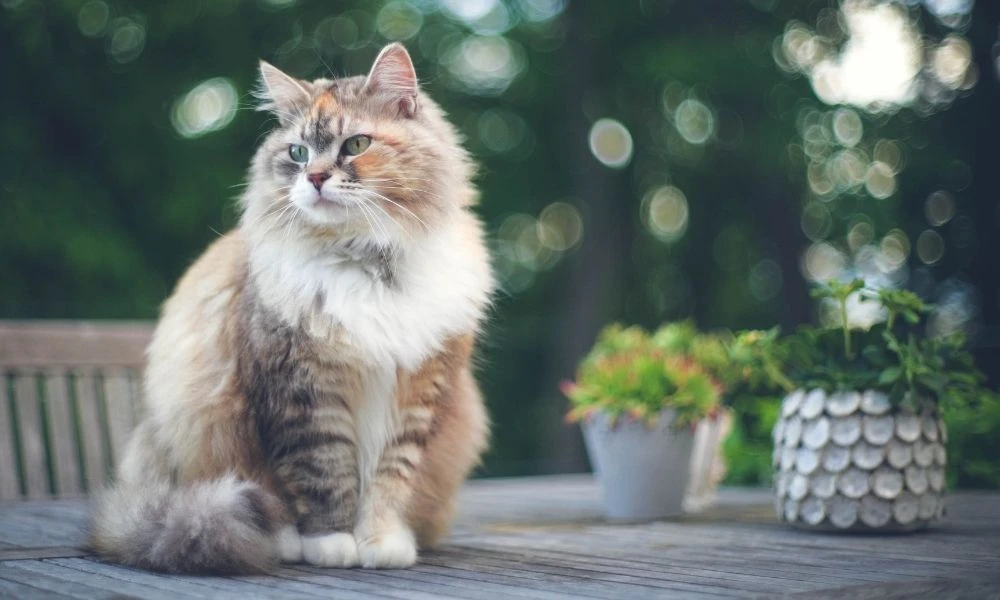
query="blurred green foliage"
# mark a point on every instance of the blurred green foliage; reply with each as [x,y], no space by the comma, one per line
[632,374]
[121,159]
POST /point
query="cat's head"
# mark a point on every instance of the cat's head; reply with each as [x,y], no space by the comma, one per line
[367,159]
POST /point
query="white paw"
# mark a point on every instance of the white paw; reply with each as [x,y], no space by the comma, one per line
[289,544]
[330,550]
[391,550]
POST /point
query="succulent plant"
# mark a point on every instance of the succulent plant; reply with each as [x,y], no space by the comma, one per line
[630,373]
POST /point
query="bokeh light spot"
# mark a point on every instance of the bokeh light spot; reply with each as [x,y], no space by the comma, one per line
[939,208]
[210,106]
[877,66]
[950,61]
[561,226]
[930,247]
[893,251]
[665,212]
[502,132]
[399,21]
[541,10]
[860,234]
[611,143]
[694,121]
[126,41]
[880,181]
[816,221]
[485,64]
[468,10]
[890,154]
[822,262]
[93,18]
[847,127]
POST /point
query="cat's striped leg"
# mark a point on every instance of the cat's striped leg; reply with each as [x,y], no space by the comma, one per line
[385,539]
[313,455]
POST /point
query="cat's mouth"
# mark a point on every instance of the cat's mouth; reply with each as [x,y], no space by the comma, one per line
[330,203]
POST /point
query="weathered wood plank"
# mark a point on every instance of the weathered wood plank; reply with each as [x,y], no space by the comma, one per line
[39,553]
[119,410]
[32,435]
[16,590]
[938,589]
[503,552]
[73,344]
[10,486]
[91,431]
[62,436]
[142,584]
[50,580]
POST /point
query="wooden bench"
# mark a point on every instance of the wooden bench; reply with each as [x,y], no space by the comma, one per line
[69,395]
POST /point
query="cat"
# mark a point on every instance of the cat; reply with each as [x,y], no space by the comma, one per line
[308,394]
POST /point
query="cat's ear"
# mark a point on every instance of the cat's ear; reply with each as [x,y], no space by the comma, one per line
[282,94]
[393,80]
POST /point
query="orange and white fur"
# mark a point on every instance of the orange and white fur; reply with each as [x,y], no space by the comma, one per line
[308,394]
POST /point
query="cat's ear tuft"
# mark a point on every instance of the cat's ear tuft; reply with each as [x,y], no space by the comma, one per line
[282,94]
[393,79]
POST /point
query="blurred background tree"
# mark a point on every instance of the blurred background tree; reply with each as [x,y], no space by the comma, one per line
[642,161]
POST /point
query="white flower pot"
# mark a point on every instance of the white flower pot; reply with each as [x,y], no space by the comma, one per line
[643,470]
[850,461]
[707,464]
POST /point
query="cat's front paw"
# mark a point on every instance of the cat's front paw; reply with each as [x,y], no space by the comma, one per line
[330,550]
[395,549]
[289,544]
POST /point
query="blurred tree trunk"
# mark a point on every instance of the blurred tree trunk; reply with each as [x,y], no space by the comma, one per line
[983,129]
[776,217]
[597,268]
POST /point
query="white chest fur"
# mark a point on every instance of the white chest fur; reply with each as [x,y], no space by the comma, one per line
[440,288]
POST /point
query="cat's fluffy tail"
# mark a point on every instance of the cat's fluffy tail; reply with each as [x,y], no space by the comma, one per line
[224,526]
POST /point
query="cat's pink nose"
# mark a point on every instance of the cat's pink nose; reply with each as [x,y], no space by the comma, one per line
[317,179]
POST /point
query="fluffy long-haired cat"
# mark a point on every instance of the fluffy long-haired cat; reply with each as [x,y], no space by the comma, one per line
[308,394]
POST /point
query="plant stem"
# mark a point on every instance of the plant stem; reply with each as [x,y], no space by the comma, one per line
[847,330]
[890,320]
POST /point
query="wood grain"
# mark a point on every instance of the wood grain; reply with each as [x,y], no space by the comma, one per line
[62,435]
[73,344]
[10,486]
[31,434]
[92,442]
[545,539]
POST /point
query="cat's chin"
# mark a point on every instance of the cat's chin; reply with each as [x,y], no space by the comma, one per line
[328,211]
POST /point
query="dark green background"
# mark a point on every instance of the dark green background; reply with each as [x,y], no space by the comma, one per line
[104,204]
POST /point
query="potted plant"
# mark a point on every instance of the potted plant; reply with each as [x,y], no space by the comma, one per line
[638,403]
[859,442]
[709,351]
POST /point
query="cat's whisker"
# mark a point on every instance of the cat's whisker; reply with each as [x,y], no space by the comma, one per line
[381,226]
[282,207]
[401,207]
[396,223]
[366,212]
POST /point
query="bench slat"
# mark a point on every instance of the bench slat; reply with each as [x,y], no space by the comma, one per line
[10,488]
[91,432]
[62,437]
[72,344]
[118,400]
[32,435]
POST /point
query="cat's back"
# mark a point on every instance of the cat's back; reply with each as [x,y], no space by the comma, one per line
[198,322]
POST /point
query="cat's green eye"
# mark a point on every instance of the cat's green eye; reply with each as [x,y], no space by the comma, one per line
[355,145]
[298,153]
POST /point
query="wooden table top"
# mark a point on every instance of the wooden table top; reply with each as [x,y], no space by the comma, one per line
[545,538]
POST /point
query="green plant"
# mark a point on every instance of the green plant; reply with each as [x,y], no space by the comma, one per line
[755,364]
[631,374]
[896,356]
